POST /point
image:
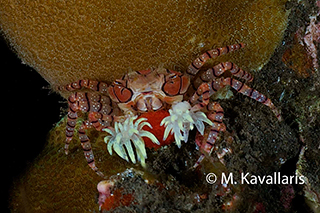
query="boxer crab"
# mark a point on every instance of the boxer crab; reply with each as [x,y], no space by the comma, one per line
[153,90]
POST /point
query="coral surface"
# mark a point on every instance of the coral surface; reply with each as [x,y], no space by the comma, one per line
[70,40]
[56,178]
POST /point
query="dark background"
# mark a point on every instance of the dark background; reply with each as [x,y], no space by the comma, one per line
[30,110]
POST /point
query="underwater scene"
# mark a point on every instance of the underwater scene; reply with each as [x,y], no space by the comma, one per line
[161,106]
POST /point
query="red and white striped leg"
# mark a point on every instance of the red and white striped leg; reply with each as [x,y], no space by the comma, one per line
[88,84]
[86,146]
[252,93]
[219,69]
[100,121]
[202,96]
[224,152]
[195,66]
[100,110]
[85,102]
[215,114]
[71,121]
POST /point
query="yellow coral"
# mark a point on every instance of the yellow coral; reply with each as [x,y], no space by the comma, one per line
[69,40]
[57,182]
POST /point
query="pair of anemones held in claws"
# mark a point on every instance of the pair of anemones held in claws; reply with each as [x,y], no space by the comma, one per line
[132,130]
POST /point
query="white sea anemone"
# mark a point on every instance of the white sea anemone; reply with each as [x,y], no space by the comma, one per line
[124,134]
[181,120]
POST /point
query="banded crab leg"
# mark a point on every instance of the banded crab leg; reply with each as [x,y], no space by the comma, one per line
[98,86]
[252,93]
[215,114]
[202,96]
[86,146]
[75,105]
[85,102]
[100,110]
[98,121]
[195,66]
[218,70]
[219,83]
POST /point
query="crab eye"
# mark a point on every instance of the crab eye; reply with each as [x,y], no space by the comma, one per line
[173,77]
[117,82]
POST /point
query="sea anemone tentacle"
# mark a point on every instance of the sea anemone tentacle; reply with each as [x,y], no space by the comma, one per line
[181,120]
[126,133]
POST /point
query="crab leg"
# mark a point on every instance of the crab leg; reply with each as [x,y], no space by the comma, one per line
[202,95]
[99,120]
[217,84]
[195,66]
[99,116]
[86,146]
[252,93]
[85,102]
[219,69]
[95,120]
[215,115]
[89,84]
[71,120]
[216,112]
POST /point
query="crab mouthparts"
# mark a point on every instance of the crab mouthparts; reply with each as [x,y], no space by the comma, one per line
[147,93]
